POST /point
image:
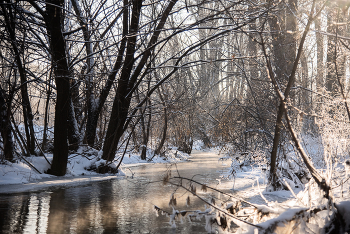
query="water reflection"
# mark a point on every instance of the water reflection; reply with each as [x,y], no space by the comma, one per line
[37,217]
[118,206]
[24,213]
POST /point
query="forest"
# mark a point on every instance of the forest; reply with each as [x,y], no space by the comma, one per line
[265,83]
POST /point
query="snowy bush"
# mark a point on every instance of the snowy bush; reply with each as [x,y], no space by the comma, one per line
[240,161]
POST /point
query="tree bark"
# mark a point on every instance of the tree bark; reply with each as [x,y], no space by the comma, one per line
[93,114]
[5,126]
[62,76]
[73,130]
[283,57]
[146,132]
[46,119]
[121,102]
[165,126]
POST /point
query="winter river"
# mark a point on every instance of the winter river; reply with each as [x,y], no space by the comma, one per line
[114,206]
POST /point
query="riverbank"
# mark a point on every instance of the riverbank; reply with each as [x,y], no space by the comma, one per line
[29,173]
[115,205]
[128,203]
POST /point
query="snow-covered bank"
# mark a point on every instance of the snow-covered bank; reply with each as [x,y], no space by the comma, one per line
[298,207]
[28,173]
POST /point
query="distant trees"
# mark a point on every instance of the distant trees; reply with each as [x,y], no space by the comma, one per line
[97,52]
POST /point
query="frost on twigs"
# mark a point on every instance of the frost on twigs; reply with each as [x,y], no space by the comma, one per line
[157,210]
[308,212]
[166,177]
[193,189]
[219,212]
[172,201]
[188,201]
[233,207]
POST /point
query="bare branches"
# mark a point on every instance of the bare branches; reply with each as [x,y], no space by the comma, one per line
[283,108]
[211,204]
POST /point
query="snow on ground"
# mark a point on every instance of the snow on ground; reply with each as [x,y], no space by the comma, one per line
[20,176]
[249,183]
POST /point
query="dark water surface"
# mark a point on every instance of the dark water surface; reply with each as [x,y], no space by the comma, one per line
[116,206]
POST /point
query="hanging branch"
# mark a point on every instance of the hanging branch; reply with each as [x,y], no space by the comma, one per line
[216,190]
[212,205]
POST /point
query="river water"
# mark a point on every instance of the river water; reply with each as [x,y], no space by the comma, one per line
[115,206]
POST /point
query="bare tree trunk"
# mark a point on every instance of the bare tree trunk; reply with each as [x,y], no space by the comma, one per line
[284,58]
[331,80]
[163,138]
[283,97]
[5,125]
[73,129]
[121,102]
[146,130]
[144,137]
[305,94]
[165,126]
[62,76]
[93,113]
[305,98]
[320,55]
[127,82]
[27,109]
[19,135]
[279,61]
[46,119]
[340,73]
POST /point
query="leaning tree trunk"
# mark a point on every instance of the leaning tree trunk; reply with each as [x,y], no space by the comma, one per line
[128,83]
[283,97]
[94,113]
[27,110]
[121,102]
[283,63]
